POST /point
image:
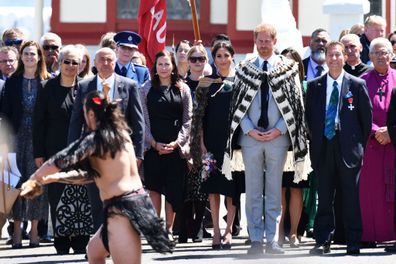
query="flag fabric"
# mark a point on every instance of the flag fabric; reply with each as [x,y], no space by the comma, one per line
[152,28]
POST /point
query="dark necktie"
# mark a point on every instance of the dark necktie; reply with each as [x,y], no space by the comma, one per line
[319,70]
[263,120]
[331,113]
[124,71]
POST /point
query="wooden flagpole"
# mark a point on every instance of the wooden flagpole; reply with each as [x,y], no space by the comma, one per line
[197,34]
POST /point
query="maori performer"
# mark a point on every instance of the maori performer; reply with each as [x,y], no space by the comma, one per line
[105,155]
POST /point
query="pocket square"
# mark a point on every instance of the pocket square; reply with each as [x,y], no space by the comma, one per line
[349,94]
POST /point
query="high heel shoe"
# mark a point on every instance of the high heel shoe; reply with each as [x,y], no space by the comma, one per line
[17,246]
[227,240]
[294,243]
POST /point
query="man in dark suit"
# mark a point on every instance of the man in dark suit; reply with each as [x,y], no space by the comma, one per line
[116,87]
[126,50]
[315,64]
[339,116]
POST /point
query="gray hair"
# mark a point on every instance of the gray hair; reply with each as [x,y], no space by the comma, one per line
[70,49]
[107,50]
[51,36]
[383,42]
[352,37]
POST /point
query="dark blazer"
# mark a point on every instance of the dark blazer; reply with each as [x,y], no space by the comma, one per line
[125,89]
[1,91]
[305,63]
[11,107]
[140,73]
[355,125]
[391,119]
[52,115]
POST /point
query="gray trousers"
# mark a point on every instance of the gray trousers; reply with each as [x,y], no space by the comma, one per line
[270,157]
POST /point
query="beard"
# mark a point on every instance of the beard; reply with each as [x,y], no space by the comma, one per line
[318,56]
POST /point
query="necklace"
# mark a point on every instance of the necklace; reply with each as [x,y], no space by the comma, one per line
[383,84]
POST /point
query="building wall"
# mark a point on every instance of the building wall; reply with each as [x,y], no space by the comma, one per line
[218,12]
[248,15]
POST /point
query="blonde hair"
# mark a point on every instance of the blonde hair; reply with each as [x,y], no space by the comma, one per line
[375,20]
[265,27]
[197,48]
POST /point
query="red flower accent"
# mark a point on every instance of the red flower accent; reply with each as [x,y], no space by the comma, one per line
[97,100]
[350,100]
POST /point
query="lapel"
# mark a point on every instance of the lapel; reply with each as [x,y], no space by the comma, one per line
[92,84]
[257,63]
[344,90]
[120,92]
[321,87]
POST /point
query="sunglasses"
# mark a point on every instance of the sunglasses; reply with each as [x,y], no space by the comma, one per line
[50,47]
[195,59]
[11,42]
[393,42]
[68,62]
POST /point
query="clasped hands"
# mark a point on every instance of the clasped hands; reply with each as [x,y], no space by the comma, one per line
[264,136]
[382,136]
[164,148]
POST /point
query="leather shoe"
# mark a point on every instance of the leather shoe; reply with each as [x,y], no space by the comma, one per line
[320,249]
[256,248]
[353,250]
[273,248]
[391,249]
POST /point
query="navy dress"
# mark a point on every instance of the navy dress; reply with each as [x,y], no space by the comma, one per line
[215,123]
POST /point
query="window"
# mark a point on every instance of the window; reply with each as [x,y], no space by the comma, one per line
[176,9]
[375,8]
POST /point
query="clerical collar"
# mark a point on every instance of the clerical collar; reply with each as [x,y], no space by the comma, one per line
[382,74]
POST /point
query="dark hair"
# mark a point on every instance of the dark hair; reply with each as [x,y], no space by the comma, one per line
[297,58]
[41,70]
[182,42]
[155,82]
[111,125]
[218,38]
[317,31]
[222,44]
[391,35]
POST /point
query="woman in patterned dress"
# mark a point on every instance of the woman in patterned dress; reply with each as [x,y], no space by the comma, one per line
[18,106]
[70,208]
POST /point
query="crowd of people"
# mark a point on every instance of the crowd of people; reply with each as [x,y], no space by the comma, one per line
[310,141]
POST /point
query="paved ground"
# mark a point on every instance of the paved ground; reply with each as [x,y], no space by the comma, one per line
[202,253]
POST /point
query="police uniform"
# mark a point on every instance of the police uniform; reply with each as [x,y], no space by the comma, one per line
[136,72]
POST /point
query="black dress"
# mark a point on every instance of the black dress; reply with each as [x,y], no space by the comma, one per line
[70,208]
[215,123]
[165,174]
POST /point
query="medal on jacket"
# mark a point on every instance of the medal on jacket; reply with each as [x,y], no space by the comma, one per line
[350,101]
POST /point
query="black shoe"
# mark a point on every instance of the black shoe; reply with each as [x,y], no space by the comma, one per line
[62,252]
[79,251]
[197,239]
[248,242]
[206,234]
[368,244]
[235,231]
[216,246]
[45,239]
[182,239]
[320,249]
[309,233]
[353,250]
[256,248]
[273,248]
[391,249]
[17,246]
[9,241]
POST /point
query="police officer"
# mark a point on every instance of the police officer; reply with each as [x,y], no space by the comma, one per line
[126,49]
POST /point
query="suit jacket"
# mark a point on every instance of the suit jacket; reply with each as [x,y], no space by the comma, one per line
[1,91]
[11,106]
[355,124]
[140,73]
[275,119]
[130,105]
[391,119]
[306,63]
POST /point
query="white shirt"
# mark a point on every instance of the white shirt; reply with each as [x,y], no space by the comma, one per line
[110,81]
[329,90]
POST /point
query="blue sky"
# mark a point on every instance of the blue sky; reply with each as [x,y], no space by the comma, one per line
[22,2]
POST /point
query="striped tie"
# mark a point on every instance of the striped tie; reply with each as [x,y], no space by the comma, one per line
[331,113]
